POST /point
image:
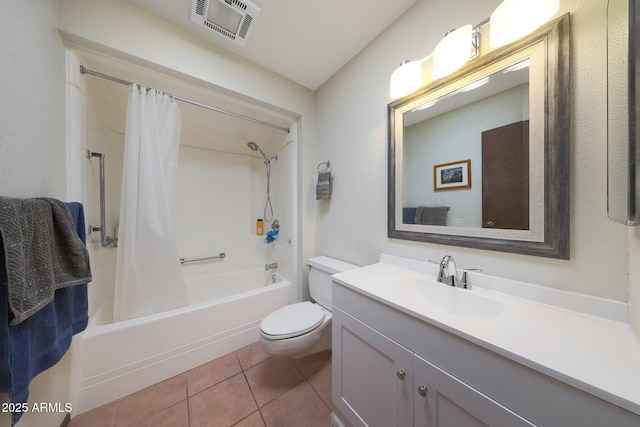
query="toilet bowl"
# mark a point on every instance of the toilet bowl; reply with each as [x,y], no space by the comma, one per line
[304,328]
[296,330]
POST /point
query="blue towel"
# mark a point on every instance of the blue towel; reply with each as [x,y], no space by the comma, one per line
[40,341]
[409,215]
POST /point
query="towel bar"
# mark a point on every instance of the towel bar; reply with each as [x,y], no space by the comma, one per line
[104,239]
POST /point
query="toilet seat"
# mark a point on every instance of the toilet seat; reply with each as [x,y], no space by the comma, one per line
[292,321]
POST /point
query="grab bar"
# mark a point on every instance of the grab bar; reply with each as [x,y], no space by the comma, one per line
[221,255]
[104,239]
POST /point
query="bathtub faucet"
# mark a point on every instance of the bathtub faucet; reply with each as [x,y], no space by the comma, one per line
[268,267]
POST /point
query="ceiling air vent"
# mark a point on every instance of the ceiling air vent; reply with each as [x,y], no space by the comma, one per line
[231,19]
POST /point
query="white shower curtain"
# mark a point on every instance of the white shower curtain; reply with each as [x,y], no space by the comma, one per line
[148,273]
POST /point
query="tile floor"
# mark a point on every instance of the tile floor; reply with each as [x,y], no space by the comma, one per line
[247,388]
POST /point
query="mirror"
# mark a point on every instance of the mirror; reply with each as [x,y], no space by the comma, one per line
[623,151]
[481,158]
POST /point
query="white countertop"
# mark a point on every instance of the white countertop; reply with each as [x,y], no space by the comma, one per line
[584,341]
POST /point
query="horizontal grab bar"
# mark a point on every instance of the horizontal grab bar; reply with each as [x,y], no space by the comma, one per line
[221,255]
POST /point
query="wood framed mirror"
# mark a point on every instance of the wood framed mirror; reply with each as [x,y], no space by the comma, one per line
[481,158]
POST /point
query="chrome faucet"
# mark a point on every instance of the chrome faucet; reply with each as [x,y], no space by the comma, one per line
[448,274]
[268,267]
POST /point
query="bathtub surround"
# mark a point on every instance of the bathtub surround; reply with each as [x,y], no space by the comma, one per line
[148,275]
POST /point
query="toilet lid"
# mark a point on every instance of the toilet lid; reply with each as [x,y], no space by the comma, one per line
[292,320]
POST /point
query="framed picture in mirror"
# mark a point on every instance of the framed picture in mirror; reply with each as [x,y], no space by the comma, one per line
[452,176]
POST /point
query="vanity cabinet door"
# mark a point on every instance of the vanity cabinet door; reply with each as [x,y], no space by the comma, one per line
[453,403]
[425,393]
[372,375]
[379,383]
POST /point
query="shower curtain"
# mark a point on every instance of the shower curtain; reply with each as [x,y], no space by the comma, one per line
[148,273]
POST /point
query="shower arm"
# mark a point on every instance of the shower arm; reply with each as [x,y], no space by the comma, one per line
[104,239]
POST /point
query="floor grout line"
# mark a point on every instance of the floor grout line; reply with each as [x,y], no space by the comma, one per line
[115,416]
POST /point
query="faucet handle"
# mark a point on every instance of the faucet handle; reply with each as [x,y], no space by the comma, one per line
[453,280]
[465,280]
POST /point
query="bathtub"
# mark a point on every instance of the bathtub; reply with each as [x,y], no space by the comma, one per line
[112,360]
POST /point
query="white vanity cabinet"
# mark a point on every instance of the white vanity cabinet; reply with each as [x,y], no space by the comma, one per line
[377,382]
[383,356]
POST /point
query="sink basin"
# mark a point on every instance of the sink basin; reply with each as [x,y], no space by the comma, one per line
[457,301]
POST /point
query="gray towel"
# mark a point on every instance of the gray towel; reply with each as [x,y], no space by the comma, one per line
[432,215]
[323,186]
[42,253]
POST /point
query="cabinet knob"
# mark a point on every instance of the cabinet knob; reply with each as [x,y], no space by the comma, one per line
[422,391]
[401,374]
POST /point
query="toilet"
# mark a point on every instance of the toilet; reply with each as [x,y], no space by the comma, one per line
[304,328]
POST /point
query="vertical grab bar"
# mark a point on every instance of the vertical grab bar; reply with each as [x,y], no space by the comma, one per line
[104,239]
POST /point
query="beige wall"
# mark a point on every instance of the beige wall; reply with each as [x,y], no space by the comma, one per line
[32,141]
[32,124]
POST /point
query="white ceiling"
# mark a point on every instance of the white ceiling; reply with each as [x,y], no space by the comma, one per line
[306,41]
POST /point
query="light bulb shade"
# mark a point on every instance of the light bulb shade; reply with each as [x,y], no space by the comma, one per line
[514,19]
[407,78]
[452,52]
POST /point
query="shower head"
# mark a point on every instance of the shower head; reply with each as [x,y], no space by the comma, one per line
[255,147]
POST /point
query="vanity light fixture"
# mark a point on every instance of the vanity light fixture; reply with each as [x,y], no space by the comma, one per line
[407,78]
[454,50]
[514,19]
[510,21]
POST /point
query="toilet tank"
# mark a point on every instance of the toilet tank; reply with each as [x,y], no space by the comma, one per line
[322,267]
